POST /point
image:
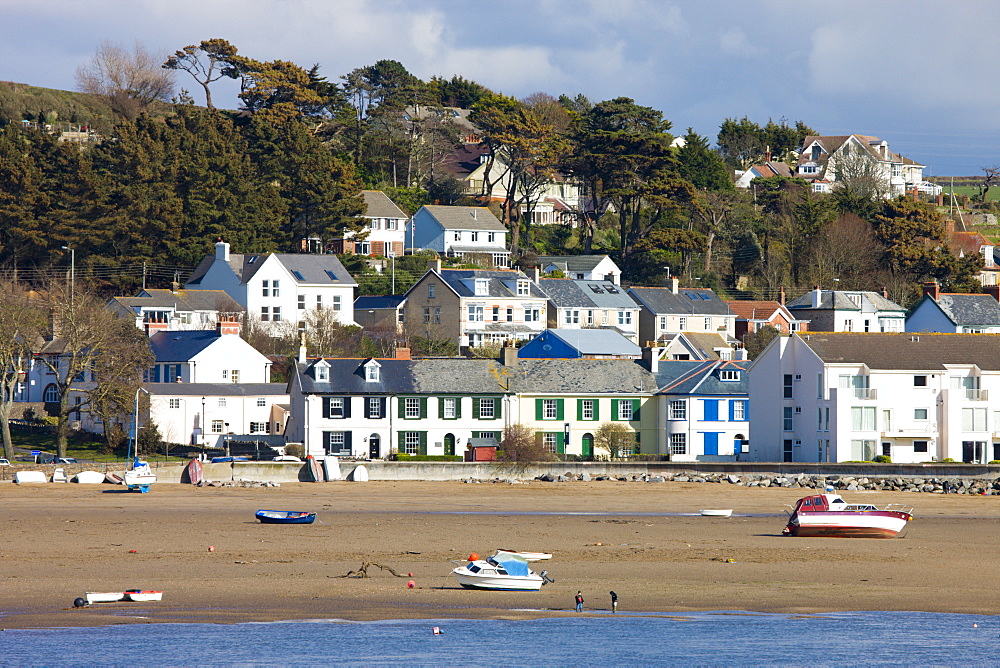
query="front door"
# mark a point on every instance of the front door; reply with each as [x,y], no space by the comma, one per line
[449,444]
[373,446]
[711,443]
[587,443]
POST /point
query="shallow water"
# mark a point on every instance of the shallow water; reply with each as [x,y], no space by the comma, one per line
[702,639]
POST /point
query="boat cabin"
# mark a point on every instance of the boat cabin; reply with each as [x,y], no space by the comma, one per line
[829,502]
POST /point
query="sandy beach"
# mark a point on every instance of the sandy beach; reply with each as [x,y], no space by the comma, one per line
[645,541]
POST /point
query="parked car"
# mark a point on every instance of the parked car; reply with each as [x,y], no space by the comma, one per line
[4,462]
[222,460]
[63,460]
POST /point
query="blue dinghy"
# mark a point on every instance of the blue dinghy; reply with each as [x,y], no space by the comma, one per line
[285,517]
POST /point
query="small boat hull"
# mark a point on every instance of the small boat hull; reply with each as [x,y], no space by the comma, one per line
[829,516]
[501,572]
[507,583]
[195,472]
[22,477]
[89,478]
[104,597]
[142,596]
[717,512]
[285,517]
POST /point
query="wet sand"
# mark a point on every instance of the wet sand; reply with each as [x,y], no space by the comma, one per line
[643,540]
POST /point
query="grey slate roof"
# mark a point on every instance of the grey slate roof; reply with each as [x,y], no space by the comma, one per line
[683,377]
[579,263]
[455,277]
[378,205]
[905,351]
[217,389]
[312,268]
[970,310]
[465,217]
[838,300]
[597,341]
[568,293]
[182,300]
[687,301]
[181,346]
[582,376]
[372,302]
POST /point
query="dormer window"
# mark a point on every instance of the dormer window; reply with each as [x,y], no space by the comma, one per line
[729,375]
[523,288]
[321,371]
[373,372]
[482,287]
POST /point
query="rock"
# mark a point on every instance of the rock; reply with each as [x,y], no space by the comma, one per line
[656,478]
[733,479]
[585,477]
[681,478]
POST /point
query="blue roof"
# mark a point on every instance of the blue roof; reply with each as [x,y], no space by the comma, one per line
[181,346]
[574,343]
[373,302]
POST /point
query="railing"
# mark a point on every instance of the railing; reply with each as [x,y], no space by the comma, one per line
[865,393]
[975,395]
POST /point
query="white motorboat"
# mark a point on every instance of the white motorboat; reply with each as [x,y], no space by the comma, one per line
[105,597]
[89,477]
[139,477]
[500,572]
[717,512]
[527,556]
[828,515]
[141,595]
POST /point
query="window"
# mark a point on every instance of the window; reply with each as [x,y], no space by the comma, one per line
[217,426]
[457,236]
[374,408]
[175,403]
[787,393]
[788,421]
[973,419]
[550,409]
[739,410]
[234,375]
[411,442]
[682,323]
[276,314]
[482,287]
[862,418]
[475,236]
[449,408]
[491,237]
[624,317]
[335,407]
[531,314]
[486,409]
[335,441]
[496,314]
[550,442]
[390,223]
[587,409]
[302,301]
[265,313]
[411,408]
[662,322]
[259,427]
[475,312]
[572,317]
[222,402]
[678,444]
[625,409]
[920,381]
[510,314]
[523,288]
[920,446]
[265,289]
[261,401]
[431,291]
[729,375]
[322,373]
[919,413]
[708,324]
[336,302]
[427,314]
[437,315]
[372,373]
[319,301]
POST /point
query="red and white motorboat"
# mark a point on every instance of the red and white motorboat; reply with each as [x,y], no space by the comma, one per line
[827,515]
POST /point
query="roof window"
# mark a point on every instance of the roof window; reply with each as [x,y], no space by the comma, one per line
[297,274]
[332,275]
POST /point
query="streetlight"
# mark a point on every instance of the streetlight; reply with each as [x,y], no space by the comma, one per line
[227,438]
[203,429]
[72,273]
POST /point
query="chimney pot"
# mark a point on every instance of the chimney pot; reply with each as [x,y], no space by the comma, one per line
[932,289]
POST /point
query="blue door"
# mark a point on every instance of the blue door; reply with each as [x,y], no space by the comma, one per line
[711,443]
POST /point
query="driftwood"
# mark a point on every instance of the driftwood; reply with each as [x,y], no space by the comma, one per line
[362,572]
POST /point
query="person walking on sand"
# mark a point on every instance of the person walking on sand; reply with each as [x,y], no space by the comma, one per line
[579,601]
[614,602]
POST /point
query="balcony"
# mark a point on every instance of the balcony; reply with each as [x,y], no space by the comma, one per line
[865,393]
[975,395]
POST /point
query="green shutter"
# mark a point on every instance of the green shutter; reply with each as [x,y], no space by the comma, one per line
[401,444]
[401,406]
[560,443]
[475,408]
[579,409]
[614,409]
[635,409]
[423,442]
[458,407]
[597,413]
[559,409]
[423,408]
[441,408]
[539,409]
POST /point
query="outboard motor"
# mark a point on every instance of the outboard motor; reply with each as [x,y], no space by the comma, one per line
[545,577]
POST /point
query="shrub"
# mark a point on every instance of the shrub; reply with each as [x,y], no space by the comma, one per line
[295,450]
[403,457]
[882,459]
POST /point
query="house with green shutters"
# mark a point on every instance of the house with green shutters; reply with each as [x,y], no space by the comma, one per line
[565,401]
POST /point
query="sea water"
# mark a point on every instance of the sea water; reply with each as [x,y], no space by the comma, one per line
[699,639]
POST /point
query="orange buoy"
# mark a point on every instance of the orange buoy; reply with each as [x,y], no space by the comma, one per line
[131,551]
[211,548]
[411,584]
[474,556]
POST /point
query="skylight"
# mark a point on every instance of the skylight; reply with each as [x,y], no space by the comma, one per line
[596,289]
[297,274]
[331,274]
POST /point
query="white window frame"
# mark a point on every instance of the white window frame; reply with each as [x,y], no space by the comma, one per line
[411,408]
[411,442]
[625,409]
[677,409]
[486,409]
[678,444]
[550,409]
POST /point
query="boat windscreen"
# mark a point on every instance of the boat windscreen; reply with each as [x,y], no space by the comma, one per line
[512,565]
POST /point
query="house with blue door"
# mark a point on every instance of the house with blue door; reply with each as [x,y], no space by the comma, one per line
[703,409]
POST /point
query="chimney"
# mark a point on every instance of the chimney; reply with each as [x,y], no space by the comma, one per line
[508,355]
[674,284]
[740,354]
[402,353]
[817,296]
[434,265]
[885,293]
[154,327]
[463,345]
[174,287]
[767,154]
[651,358]
[949,225]
[781,295]
[932,289]
[222,251]
[227,326]
[992,291]
[302,348]
[536,273]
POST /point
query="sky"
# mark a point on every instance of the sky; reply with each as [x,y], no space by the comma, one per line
[919,74]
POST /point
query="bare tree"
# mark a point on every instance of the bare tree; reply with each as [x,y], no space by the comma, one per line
[860,177]
[519,444]
[20,322]
[131,81]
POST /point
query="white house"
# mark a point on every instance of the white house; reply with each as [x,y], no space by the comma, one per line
[219,356]
[954,313]
[175,309]
[834,397]
[583,304]
[675,309]
[848,311]
[386,225]
[460,231]
[278,287]
[820,162]
[582,267]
